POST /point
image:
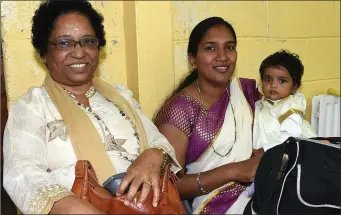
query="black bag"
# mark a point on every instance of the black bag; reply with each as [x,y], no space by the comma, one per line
[299,176]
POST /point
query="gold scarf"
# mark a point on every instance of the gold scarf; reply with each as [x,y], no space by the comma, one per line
[84,137]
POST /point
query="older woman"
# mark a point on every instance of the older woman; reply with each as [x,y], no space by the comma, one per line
[208,120]
[73,116]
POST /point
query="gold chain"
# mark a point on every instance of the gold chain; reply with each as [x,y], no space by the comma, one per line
[201,98]
[202,103]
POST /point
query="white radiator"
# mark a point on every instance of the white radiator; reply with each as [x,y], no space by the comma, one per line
[325,116]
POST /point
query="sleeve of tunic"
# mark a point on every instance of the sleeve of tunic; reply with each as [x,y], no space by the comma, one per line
[26,177]
[290,116]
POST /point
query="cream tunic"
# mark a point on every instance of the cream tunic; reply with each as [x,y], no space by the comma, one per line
[39,159]
[276,121]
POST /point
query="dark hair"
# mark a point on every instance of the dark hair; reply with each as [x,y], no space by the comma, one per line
[284,59]
[45,17]
[198,32]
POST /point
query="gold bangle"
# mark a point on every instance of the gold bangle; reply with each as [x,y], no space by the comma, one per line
[165,160]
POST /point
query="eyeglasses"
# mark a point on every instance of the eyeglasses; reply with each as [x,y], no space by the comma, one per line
[69,44]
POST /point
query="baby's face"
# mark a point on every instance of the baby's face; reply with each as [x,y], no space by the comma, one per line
[277,83]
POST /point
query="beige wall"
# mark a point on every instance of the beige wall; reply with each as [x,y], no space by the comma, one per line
[311,29]
[147,42]
[24,68]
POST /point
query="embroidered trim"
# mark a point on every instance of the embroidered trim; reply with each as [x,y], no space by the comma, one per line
[277,102]
[45,197]
[165,160]
[288,113]
[159,143]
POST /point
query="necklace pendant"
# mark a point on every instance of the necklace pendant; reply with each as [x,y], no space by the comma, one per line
[112,144]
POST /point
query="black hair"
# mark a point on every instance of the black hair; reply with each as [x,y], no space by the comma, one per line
[287,60]
[197,34]
[45,17]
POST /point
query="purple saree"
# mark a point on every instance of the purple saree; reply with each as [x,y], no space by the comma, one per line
[187,114]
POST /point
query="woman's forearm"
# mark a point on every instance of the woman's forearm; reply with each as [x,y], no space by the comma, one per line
[209,180]
[243,171]
[73,205]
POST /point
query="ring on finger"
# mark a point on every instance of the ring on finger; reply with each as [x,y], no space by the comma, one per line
[148,182]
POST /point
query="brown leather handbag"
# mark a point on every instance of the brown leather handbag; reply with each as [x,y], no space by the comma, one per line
[87,187]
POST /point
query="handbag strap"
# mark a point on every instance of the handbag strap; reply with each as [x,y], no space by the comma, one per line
[164,185]
[86,183]
[85,170]
[166,178]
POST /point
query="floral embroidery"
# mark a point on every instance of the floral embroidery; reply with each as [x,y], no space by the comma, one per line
[45,198]
[57,129]
[112,144]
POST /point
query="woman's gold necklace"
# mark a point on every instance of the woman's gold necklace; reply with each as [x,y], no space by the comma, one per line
[201,98]
[205,110]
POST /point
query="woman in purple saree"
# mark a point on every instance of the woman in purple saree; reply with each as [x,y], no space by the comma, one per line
[208,119]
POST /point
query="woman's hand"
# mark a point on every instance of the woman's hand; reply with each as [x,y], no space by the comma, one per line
[245,171]
[145,171]
[256,152]
[73,205]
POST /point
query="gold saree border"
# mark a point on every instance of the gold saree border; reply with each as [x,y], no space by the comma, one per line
[217,191]
[212,195]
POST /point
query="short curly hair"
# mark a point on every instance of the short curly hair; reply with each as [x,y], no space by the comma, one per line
[287,60]
[45,17]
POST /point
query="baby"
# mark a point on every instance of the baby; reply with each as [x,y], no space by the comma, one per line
[279,114]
